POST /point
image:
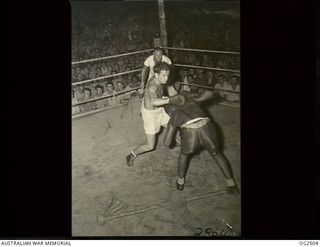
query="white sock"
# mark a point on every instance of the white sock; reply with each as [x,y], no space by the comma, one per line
[133,154]
[181,181]
[230,182]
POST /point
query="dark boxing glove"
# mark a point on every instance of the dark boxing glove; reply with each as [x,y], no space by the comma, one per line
[177,99]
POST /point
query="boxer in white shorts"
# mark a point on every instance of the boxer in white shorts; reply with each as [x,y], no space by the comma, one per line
[152,110]
[154,119]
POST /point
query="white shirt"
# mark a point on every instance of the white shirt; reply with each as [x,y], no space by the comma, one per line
[149,62]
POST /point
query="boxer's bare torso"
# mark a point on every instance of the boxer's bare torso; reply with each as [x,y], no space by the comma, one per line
[153,91]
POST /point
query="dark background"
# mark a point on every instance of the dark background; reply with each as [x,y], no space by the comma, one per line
[279,115]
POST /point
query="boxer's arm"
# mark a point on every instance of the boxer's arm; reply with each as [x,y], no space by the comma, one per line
[189,94]
[205,95]
[169,133]
[154,100]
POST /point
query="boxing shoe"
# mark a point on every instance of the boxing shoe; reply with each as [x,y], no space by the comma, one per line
[180,187]
[130,159]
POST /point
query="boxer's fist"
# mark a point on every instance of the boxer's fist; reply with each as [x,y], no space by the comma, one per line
[177,100]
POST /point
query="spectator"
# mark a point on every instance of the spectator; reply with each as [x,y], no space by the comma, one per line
[134,83]
[114,78]
[184,79]
[221,65]
[75,109]
[192,80]
[110,69]
[122,66]
[98,71]
[90,105]
[85,72]
[222,84]
[210,79]
[188,88]
[200,77]
[101,103]
[122,97]
[92,74]
[234,86]
[104,68]
[110,101]
[79,93]
[183,75]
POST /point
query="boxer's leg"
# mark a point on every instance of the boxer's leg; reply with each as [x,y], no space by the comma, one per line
[225,167]
[223,164]
[182,170]
[151,123]
[211,144]
[189,143]
[148,146]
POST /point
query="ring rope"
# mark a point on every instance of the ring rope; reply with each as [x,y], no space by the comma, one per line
[206,87]
[137,70]
[107,76]
[134,89]
[84,114]
[209,68]
[202,50]
[106,96]
[148,50]
[109,57]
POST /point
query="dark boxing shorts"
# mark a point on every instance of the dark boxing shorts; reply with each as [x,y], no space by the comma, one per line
[205,136]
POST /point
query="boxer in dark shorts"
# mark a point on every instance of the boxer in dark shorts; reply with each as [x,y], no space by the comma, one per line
[197,130]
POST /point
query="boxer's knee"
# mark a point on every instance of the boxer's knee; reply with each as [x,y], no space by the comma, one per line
[149,146]
[151,140]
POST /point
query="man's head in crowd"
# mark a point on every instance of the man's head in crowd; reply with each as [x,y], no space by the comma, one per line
[109,87]
[99,90]
[109,66]
[81,88]
[120,85]
[190,78]
[98,71]
[200,73]
[221,79]
[234,80]
[135,81]
[87,93]
[116,67]
[185,72]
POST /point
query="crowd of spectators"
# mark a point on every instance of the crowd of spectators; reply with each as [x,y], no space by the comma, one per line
[100,35]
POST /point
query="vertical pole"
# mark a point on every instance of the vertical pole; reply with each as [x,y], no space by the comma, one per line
[162,21]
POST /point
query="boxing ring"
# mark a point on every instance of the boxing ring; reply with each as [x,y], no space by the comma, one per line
[111,199]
